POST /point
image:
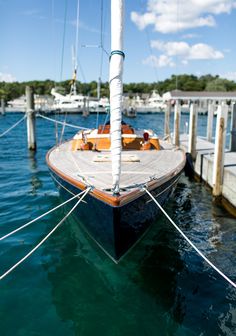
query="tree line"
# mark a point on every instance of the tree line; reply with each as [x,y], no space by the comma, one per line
[9,91]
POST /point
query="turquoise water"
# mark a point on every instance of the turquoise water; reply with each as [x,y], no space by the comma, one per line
[69,287]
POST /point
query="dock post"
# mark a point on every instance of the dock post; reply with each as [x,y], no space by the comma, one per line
[167,120]
[192,141]
[232,146]
[2,106]
[30,113]
[86,107]
[210,115]
[218,164]
[177,123]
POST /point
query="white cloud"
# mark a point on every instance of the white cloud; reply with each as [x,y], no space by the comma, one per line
[172,16]
[6,77]
[159,62]
[190,36]
[229,75]
[184,51]
[187,52]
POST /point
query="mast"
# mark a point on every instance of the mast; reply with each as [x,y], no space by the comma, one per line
[116,89]
[75,53]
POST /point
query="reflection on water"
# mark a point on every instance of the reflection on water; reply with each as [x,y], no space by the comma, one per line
[36,183]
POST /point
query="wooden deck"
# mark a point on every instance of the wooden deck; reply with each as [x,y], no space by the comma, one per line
[204,166]
[138,167]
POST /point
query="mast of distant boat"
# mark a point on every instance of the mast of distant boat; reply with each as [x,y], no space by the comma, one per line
[73,90]
[116,89]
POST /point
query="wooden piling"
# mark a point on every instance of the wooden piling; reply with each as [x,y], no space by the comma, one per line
[218,164]
[210,115]
[167,120]
[177,123]
[232,144]
[30,113]
[2,106]
[193,130]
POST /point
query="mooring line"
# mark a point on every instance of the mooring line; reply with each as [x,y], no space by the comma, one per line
[13,126]
[62,123]
[45,238]
[41,216]
[189,241]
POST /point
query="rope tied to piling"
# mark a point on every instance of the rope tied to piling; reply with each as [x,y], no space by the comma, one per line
[189,241]
[13,126]
[85,192]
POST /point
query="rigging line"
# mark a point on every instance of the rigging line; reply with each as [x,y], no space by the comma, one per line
[41,216]
[85,179]
[77,35]
[101,40]
[62,123]
[63,128]
[103,127]
[53,40]
[178,29]
[81,70]
[189,241]
[45,238]
[152,54]
[63,39]
[13,126]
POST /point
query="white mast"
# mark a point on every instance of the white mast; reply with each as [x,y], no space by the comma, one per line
[116,88]
[75,53]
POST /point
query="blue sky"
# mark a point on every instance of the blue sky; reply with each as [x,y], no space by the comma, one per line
[161,38]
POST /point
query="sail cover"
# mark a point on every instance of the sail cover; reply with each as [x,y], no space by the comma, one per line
[116,88]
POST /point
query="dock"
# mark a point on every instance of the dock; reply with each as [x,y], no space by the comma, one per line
[203,168]
[212,162]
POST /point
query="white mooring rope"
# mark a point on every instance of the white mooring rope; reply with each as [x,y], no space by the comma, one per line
[189,241]
[85,192]
[61,122]
[41,216]
[13,126]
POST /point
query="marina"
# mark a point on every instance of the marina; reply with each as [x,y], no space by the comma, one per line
[118,191]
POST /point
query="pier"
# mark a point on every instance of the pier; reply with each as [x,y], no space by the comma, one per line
[213,163]
[203,167]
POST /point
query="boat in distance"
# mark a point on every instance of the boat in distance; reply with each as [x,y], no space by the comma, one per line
[116,221]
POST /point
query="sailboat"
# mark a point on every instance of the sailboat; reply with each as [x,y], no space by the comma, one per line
[117,163]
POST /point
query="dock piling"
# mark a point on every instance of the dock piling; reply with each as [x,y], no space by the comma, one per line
[30,113]
[85,112]
[193,130]
[177,123]
[2,106]
[232,145]
[167,120]
[210,115]
[218,164]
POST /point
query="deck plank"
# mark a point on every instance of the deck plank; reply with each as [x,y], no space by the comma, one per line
[80,165]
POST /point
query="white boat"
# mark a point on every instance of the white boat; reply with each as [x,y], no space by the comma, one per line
[153,104]
[114,163]
[77,103]
[69,103]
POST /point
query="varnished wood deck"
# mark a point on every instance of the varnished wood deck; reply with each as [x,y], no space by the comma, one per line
[83,167]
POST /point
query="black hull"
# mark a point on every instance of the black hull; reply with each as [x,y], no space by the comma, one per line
[116,229]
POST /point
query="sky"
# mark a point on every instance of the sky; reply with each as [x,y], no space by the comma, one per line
[161,38]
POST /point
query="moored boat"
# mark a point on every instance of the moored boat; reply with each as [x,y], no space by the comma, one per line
[116,221]
[116,161]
